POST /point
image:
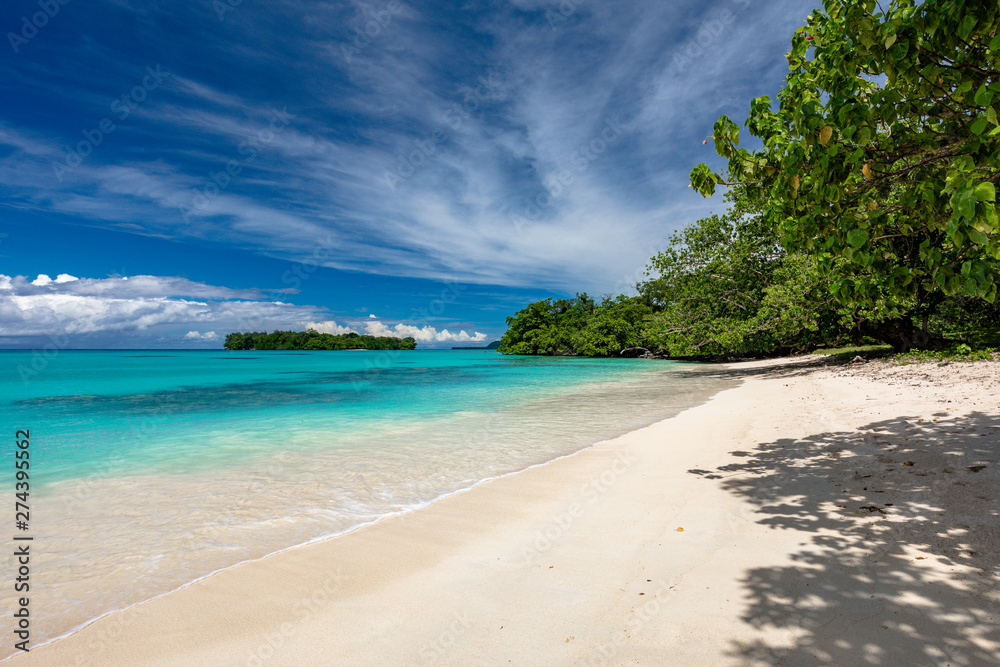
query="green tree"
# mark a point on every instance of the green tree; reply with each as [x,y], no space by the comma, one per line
[881,158]
[724,285]
[576,326]
[313,340]
[234,341]
[618,323]
[530,330]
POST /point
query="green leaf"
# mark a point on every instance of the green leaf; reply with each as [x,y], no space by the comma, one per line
[979,125]
[977,236]
[986,192]
[966,26]
[857,237]
[703,180]
[983,96]
[963,204]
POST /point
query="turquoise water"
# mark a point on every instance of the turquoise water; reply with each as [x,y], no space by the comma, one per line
[151,469]
[155,412]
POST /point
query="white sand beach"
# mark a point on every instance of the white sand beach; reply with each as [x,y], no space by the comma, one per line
[842,515]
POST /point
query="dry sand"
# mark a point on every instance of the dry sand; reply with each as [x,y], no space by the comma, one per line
[843,515]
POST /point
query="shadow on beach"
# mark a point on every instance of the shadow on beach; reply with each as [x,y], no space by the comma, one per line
[784,367]
[900,555]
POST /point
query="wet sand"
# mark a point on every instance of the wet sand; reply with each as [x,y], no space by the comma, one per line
[813,515]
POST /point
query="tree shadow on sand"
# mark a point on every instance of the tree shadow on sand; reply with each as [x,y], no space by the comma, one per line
[900,555]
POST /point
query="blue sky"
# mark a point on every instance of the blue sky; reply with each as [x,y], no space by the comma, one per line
[172,170]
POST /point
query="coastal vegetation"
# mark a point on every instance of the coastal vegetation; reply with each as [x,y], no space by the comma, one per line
[867,215]
[577,326]
[313,340]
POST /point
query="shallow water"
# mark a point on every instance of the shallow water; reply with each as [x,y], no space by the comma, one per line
[152,469]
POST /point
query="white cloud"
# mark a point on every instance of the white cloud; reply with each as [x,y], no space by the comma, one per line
[372,316]
[329,327]
[317,194]
[426,334]
[153,306]
[130,287]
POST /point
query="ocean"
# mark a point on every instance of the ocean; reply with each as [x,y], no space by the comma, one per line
[152,469]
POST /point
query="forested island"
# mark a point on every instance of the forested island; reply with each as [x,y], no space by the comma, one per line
[313,340]
[867,215]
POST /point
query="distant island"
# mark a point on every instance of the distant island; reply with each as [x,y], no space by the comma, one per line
[313,340]
[492,346]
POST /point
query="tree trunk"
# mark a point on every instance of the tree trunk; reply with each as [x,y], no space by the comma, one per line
[903,336]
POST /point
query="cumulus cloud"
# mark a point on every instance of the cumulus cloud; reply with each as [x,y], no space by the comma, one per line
[159,309]
[162,310]
[426,334]
[329,327]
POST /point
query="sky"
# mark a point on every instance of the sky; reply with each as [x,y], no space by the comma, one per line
[174,170]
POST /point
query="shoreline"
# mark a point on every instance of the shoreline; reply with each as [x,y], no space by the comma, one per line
[55,621]
[420,577]
[333,536]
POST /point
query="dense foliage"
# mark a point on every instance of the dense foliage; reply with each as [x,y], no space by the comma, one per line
[868,212]
[880,161]
[725,285]
[577,326]
[313,340]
